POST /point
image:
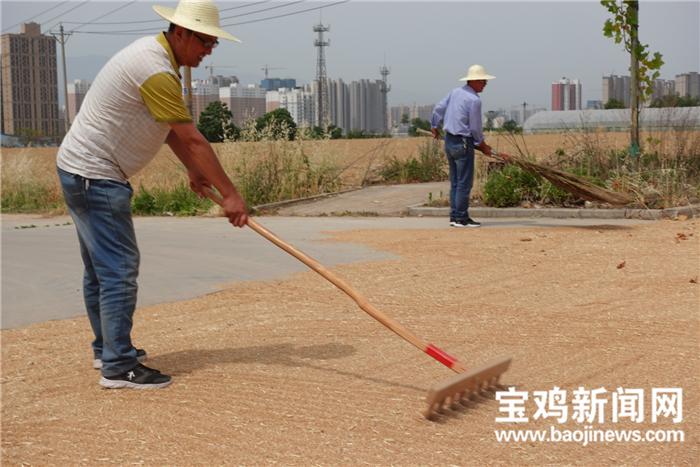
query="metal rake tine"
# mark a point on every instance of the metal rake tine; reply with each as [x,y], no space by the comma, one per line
[468,382]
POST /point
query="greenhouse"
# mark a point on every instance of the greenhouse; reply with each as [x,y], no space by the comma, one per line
[672,118]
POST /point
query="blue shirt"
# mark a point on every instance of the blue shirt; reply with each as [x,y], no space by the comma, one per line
[460,114]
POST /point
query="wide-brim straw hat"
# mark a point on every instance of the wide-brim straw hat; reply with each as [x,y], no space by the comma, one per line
[196,15]
[476,72]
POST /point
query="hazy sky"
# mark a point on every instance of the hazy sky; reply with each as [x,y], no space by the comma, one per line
[427,45]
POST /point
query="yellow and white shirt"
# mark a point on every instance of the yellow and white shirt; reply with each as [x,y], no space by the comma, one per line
[125,116]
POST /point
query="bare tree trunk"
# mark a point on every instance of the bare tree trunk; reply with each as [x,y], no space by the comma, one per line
[633,15]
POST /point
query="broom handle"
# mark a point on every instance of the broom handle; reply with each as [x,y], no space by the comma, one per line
[361,301]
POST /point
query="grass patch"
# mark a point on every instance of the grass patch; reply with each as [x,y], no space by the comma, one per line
[440,201]
[177,201]
[429,166]
[284,172]
[30,197]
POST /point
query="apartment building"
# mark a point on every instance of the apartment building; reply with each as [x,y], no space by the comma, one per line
[29,83]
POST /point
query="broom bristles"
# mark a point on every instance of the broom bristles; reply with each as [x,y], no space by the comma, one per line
[564,180]
[573,184]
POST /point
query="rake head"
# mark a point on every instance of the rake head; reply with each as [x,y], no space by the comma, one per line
[463,385]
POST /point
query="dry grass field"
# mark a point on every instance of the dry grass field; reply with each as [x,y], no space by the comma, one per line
[358,159]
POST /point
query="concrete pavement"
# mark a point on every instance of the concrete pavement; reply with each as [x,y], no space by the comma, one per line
[378,200]
[408,200]
[182,258]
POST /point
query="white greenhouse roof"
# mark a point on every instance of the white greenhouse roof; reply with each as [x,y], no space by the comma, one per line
[686,118]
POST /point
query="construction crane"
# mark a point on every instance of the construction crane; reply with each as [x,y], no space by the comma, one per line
[211,68]
[267,69]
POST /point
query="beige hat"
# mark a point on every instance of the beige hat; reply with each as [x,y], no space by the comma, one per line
[196,15]
[476,72]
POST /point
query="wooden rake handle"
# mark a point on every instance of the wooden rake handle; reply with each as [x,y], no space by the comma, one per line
[361,301]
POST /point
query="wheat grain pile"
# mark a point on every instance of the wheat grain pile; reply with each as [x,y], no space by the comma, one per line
[291,372]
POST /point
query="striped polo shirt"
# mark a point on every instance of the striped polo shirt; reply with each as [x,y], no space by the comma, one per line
[125,116]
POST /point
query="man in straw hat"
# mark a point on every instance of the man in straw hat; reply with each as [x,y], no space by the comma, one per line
[460,115]
[132,108]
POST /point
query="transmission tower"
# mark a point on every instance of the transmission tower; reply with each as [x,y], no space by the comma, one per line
[321,76]
[386,87]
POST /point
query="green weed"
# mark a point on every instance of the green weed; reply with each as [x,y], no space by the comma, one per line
[177,201]
[430,166]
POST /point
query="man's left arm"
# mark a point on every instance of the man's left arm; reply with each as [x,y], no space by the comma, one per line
[476,127]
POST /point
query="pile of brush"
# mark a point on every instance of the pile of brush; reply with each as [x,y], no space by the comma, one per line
[568,182]
[564,180]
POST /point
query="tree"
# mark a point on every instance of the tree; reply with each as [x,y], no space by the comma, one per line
[614,104]
[331,132]
[511,126]
[335,132]
[279,123]
[316,133]
[674,100]
[418,123]
[405,119]
[216,124]
[624,27]
[28,136]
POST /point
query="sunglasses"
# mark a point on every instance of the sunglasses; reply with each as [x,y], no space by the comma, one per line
[207,43]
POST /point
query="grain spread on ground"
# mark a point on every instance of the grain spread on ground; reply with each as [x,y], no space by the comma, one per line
[291,372]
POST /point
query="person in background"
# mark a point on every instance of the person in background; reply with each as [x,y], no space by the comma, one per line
[133,107]
[459,114]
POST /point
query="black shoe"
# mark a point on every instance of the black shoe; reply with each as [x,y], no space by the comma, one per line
[140,356]
[139,377]
[469,222]
[452,221]
[472,223]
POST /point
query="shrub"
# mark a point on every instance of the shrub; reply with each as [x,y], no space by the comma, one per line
[510,186]
[430,166]
[178,201]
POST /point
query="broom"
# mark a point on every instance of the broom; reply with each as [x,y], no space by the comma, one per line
[564,180]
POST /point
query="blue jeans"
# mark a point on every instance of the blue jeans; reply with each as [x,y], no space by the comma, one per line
[101,211]
[460,156]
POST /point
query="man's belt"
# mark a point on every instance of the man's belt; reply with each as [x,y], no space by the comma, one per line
[457,136]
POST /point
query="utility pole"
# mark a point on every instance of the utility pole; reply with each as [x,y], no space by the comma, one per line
[321,76]
[187,89]
[62,38]
[386,87]
[524,113]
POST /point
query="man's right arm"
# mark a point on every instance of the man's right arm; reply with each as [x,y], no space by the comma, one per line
[205,170]
[438,116]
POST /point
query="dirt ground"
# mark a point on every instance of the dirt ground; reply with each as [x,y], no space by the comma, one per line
[291,372]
